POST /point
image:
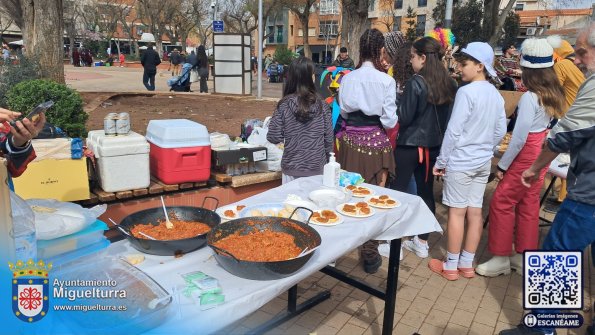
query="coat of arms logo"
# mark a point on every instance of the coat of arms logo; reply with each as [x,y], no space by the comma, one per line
[30,289]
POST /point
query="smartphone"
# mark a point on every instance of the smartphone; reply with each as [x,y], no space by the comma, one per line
[34,114]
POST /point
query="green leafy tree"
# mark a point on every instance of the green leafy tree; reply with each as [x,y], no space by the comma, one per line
[411,32]
[283,55]
[465,15]
[512,27]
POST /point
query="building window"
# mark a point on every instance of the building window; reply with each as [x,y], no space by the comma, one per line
[271,34]
[291,30]
[328,7]
[519,6]
[328,29]
[371,5]
[398,4]
[300,32]
[397,24]
[279,34]
[422,3]
[311,31]
[421,25]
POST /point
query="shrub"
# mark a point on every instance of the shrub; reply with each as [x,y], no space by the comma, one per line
[283,55]
[12,74]
[67,112]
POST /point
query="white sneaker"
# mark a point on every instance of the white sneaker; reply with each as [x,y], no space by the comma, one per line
[497,265]
[516,263]
[419,248]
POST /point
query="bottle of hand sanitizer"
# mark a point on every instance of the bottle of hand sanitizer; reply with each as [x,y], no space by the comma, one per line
[330,178]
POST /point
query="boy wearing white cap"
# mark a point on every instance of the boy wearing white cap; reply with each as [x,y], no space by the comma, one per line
[476,126]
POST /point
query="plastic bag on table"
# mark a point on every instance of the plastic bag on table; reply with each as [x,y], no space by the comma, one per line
[55,219]
[23,228]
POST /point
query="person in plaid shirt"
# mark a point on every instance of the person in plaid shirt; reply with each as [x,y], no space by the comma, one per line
[509,71]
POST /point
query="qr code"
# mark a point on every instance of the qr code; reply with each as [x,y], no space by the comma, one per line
[553,280]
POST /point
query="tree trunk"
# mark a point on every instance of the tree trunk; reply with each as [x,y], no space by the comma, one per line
[71,38]
[306,38]
[42,36]
[497,33]
[355,16]
[135,48]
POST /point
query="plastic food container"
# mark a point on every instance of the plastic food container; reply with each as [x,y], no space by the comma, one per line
[329,197]
[92,234]
[115,275]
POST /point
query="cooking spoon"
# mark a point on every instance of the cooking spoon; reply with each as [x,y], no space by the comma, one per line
[168,223]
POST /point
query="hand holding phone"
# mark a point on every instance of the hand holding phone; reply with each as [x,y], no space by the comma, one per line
[33,116]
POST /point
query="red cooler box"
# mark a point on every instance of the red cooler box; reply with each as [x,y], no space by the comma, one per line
[180,151]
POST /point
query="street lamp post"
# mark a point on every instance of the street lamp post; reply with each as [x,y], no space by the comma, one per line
[448,15]
[260,34]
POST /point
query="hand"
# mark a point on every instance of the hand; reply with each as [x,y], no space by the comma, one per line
[499,175]
[6,115]
[528,177]
[26,130]
[438,172]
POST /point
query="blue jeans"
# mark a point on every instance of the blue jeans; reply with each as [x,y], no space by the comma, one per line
[573,229]
[149,80]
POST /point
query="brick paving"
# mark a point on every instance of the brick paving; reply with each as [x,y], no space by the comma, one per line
[427,304]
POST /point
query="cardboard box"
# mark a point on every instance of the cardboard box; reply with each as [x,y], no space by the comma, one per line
[241,155]
[511,100]
[63,179]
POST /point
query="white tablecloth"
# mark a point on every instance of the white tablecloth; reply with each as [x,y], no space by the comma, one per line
[243,296]
[559,166]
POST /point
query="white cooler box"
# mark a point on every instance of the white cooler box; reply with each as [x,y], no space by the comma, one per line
[122,161]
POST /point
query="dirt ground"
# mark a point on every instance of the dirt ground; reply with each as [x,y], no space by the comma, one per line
[218,113]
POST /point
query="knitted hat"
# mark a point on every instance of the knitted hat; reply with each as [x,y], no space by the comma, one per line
[393,40]
[562,48]
[537,53]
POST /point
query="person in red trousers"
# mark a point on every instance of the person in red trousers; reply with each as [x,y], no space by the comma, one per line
[514,209]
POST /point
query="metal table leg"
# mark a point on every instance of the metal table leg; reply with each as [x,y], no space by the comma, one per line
[293,309]
[389,296]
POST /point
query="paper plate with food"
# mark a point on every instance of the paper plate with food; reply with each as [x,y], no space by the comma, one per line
[326,217]
[230,212]
[382,201]
[356,209]
[359,191]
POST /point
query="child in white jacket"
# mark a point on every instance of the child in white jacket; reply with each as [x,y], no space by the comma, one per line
[476,126]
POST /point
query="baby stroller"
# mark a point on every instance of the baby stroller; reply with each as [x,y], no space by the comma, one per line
[273,73]
[182,82]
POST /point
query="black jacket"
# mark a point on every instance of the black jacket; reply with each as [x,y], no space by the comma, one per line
[150,60]
[421,124]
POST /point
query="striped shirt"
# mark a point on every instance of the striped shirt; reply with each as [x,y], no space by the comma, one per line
[307,145]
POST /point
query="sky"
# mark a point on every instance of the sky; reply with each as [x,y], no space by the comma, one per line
[574,3]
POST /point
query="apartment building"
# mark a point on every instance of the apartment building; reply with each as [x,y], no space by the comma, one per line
[323,33]
[388,15]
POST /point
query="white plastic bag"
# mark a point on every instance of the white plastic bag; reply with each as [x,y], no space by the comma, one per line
[23,228]
[54,219]
[258,136]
